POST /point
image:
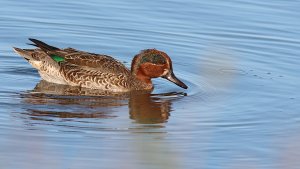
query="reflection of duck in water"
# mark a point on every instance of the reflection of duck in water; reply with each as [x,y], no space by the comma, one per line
[77,68]
[145,109]
[90,103]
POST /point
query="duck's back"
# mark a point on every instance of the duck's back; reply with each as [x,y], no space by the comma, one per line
[103,63]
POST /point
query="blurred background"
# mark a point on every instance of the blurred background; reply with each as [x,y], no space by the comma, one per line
[240,60]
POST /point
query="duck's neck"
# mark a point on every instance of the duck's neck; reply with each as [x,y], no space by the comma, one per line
[143,80]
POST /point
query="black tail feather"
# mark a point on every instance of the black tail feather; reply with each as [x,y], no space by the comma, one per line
[45,47]
[32,44]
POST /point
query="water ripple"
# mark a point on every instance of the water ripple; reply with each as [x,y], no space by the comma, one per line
[239,59]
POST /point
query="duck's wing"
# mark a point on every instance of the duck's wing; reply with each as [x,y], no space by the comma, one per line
[100,62]
[103,63]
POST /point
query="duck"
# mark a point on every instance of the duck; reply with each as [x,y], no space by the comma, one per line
[69,66]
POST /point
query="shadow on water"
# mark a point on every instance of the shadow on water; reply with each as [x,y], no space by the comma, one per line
[48,101]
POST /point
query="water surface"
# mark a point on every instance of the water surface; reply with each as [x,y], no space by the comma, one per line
[240,60]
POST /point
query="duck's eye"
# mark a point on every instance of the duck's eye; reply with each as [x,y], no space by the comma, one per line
[153,58]
[158,59]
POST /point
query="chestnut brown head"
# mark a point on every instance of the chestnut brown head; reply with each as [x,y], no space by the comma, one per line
[152,63]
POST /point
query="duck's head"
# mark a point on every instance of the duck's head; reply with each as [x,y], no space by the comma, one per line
[152,63]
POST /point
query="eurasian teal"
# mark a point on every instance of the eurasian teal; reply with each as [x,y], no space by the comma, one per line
[78,68]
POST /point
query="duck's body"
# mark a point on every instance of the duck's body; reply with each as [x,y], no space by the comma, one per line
[77,68]
[85,70]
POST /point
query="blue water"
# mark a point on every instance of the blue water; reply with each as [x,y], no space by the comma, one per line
[240,60]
